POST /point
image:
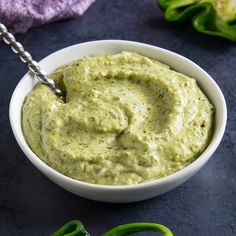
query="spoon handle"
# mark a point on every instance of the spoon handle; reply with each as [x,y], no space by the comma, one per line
[25,57]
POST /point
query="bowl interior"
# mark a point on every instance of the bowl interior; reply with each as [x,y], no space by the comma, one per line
[176,62]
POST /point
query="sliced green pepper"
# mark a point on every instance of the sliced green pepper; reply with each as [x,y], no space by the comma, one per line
[72,228]
[132,228]
[212,17]
[76,228]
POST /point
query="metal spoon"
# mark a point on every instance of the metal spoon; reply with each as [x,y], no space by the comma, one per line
[25,57]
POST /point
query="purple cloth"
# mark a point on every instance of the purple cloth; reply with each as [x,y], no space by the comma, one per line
[20,15]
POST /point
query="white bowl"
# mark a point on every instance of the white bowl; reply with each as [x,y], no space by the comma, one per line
[120,193]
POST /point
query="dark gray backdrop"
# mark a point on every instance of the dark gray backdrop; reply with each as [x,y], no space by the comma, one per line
[30,204]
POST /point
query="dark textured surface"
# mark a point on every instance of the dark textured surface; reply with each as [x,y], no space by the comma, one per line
[30,204]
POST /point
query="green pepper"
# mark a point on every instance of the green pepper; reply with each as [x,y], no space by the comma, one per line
[212,17]
[76,228]
[72,228]
[132,228]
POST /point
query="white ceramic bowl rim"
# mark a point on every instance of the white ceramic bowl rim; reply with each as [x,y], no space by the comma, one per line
[217,136]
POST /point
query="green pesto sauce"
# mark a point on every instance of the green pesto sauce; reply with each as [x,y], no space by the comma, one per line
[127,119]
